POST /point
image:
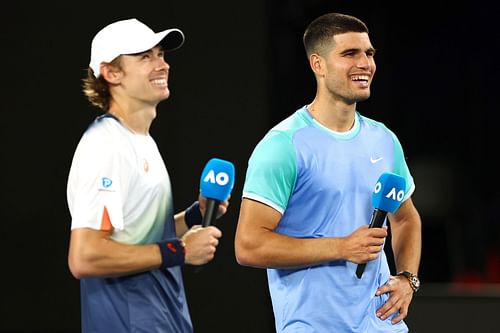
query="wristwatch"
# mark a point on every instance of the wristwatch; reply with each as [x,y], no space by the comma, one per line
[413,279]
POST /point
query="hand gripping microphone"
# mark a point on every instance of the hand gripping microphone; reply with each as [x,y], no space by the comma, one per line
[216,183]
[387,196]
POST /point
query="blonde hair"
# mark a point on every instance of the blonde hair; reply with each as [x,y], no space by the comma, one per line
[97,88]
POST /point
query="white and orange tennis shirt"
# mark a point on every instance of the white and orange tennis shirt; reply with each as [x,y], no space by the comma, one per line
[118,182]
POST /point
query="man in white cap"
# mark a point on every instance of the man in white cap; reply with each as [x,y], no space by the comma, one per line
[127,246]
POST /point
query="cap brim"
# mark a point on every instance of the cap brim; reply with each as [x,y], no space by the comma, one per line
[173,39]
[169,40]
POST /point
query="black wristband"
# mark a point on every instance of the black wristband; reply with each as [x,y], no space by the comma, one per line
[172,252]
[192,215]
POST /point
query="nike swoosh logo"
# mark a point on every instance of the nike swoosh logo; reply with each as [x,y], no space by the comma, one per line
[375,160]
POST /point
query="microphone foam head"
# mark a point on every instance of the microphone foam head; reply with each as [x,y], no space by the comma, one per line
[217,179]
[389,192]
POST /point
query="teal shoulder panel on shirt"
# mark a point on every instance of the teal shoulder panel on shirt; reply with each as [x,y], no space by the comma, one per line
[272,169]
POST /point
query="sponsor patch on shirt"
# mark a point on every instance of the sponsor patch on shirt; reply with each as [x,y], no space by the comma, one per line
[106,184]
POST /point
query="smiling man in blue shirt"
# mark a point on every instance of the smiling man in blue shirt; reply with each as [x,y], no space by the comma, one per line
[307,200]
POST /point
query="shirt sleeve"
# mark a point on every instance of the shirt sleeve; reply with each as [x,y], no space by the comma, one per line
[271,172]
[401,167]
[97,181]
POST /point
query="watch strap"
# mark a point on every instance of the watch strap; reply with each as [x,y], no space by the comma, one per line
[412,279]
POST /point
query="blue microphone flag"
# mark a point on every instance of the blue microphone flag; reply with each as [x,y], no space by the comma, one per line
[217,179]
[387,196]
[389,192]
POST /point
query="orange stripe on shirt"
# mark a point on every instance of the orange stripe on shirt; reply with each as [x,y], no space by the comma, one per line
[106,221]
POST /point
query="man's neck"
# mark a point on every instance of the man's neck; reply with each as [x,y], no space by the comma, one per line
[138,121]
[335,116]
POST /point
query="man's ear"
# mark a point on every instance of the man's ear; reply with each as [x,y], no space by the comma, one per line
[111,73]
[317,64]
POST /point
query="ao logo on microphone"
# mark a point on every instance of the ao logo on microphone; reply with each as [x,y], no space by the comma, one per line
[393,194]
[217,179]
[221,178]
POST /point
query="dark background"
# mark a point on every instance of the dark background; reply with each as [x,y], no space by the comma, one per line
[241,70]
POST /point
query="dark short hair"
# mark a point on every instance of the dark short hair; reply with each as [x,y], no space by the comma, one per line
[320,31]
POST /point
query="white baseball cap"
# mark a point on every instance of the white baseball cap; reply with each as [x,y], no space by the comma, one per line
[129,37]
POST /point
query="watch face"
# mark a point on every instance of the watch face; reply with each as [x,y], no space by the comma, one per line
[415,281]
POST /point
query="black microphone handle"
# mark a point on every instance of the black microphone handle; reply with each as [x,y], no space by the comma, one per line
[378,218]
[377,221]
[210,212]
[209,219]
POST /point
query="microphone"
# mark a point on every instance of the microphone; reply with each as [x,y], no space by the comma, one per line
[216,183]
[387,196]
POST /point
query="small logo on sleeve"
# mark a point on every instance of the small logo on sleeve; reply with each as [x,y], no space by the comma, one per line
[106,185]
[106,182]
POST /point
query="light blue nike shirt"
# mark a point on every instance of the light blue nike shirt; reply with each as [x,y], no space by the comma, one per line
[321,182]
